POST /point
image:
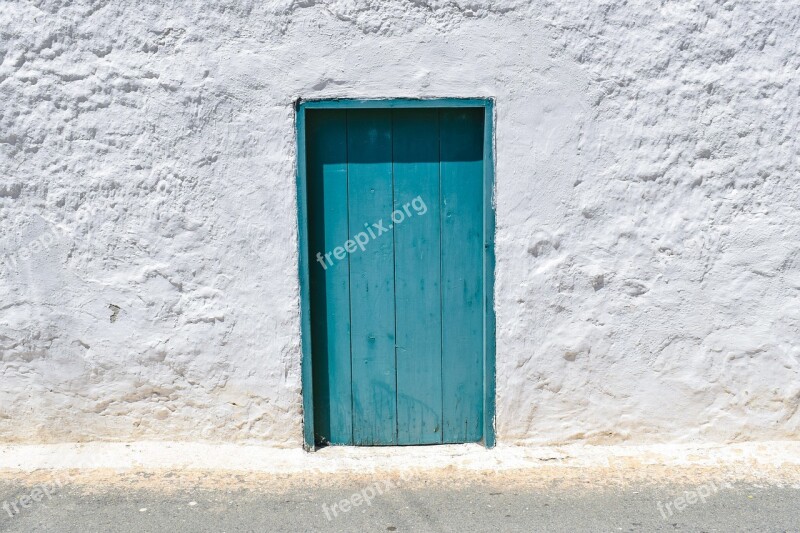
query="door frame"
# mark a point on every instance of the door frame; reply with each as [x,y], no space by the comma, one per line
[489,343]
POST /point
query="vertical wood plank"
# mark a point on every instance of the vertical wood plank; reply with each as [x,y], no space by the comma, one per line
[415,139]
[326,170]
[309,439]
[372,277]
[489,320]
[462,279]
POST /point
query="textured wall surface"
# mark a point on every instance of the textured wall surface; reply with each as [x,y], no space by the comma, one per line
[648,209]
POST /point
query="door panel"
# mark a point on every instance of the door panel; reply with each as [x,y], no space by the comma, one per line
[326,170]
[369,168]
[417,276]
[397,324]
[462,281]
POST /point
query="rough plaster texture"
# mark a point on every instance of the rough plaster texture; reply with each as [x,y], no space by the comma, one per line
[648,273]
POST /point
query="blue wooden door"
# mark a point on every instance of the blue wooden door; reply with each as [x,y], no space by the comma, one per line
[395,212]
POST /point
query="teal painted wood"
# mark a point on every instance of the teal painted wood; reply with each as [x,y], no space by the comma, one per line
[311,364]
[307,375]
[374,384]
[489,322]
[462,139]
[395,103]
[415,140]
[329,279]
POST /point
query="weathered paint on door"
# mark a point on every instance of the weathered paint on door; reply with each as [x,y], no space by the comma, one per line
[397,326]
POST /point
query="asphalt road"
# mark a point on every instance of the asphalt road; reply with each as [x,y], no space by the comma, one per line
[392,507]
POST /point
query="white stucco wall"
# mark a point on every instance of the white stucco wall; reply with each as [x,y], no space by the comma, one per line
[648,269]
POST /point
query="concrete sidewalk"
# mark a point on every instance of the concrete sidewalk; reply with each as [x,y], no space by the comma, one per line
[255,458]
[181,487]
